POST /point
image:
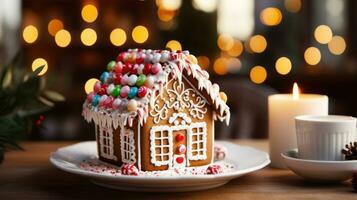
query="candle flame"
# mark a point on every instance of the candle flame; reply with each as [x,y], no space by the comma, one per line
[295,91]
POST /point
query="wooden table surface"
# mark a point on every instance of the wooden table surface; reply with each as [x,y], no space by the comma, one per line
[29,175]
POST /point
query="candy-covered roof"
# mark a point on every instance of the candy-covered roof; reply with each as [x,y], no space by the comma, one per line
[129,86]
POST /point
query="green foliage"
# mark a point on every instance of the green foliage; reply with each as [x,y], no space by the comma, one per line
[22,98]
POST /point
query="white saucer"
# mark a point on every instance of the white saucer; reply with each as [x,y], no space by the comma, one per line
[319,170]
[245,160]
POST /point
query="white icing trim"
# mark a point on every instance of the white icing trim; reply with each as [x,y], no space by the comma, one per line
[201,152]
[161,146]
[106,142]
[175,116]
[127,146]
[179,98]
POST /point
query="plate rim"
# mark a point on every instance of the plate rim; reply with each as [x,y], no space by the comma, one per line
[286,156]
[55,161]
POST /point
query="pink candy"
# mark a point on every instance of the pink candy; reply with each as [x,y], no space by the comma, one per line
[97,87]
[116,103]
[108,102]
[156,68]
[181,148]
[102,100]
[124,80]
[124,91]
[90,97]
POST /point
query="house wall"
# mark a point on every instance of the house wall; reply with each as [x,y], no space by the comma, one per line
[146,164]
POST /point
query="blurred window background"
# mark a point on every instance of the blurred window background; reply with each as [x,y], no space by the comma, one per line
[252,48]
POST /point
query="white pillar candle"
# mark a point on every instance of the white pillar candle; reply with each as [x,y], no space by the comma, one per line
[282,109]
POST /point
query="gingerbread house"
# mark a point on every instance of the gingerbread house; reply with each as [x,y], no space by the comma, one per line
[155,109]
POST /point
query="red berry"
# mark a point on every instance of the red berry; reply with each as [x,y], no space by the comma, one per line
[179,160]
[143,90]
[180,137]
[127,68]
[147,68]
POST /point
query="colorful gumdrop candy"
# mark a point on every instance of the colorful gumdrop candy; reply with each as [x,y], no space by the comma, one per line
[141,80]
[125,91]
[95,100]
[132,105]
[143,90]
[133,92]
[111,65]
[116,91]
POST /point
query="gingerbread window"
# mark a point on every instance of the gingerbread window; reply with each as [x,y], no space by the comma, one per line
[161,145]
[197,141]
[127,144]
[106,142]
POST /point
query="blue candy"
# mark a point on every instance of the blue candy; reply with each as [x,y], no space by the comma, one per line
[104,77]
[95,100]
[133,92]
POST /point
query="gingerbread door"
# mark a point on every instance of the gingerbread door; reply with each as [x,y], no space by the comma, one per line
[179,148]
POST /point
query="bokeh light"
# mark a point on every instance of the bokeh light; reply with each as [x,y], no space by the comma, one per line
[88,37]
[38,62]
[323,34]
[203,62]
[283,65]
[30,34]
[220,66]
[293,6]
[63,38]
[54,26]
[312,56]
[174,45]
[257,43]
[89,13]
[118,37]
[236,49]
[169,4]
[258,74]
[165,15]
[234,65]
[88,87]
[140,34]
[205,5]
[271,16]
[225,42]
[337,45]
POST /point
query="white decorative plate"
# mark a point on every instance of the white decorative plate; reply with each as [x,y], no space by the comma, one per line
[319,170]
[244,159]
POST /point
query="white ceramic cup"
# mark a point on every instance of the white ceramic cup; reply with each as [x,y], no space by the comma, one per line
[323,137]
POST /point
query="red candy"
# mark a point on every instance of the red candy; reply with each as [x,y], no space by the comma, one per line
[103,89]
[156,68]
[140,59]
[118,68]
[147,68]
[180,137]
[97,87]
[121,56]
[179,160]
[117,80]
[127,68]
[214,169]
[143,90]
[108,102]
[134,69]
[129,169]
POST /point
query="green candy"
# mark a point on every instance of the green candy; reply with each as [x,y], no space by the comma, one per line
[116,91]
[111,65]
[141,80]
